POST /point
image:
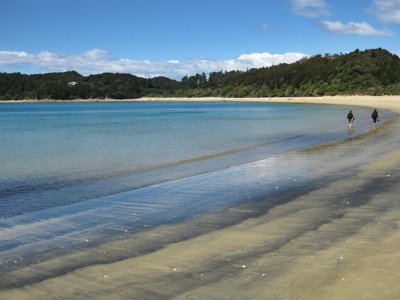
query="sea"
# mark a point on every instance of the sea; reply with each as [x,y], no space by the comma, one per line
[76,174]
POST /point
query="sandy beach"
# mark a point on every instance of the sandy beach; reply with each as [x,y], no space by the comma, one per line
[338,240]
[387,102]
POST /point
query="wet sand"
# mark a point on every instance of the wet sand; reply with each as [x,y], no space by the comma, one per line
[337,240]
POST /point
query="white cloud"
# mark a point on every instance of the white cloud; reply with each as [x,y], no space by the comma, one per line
[387,11]
[96,54]
[268,59]
[12,57]
[310,8]
[358,28]
[98,61]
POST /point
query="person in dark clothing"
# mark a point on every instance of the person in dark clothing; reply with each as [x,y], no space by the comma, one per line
[375,117]
[350,118]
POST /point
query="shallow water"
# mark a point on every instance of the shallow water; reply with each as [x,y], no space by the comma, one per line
[55,154]
[224,155]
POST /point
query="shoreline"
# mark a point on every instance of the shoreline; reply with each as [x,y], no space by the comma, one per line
[388,101]
[338,241]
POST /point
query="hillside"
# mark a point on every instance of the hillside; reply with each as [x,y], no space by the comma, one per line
[369,72]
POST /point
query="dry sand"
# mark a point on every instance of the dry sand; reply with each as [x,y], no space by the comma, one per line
[387,102]
[340,241]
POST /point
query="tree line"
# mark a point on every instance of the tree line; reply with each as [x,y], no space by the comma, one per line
[369,72]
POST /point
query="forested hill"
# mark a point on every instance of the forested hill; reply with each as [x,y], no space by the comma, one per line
[369,72]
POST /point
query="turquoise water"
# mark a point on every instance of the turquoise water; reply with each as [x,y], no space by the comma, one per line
[54,154]
[74,175]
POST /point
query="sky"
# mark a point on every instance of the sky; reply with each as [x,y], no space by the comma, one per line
[174,38]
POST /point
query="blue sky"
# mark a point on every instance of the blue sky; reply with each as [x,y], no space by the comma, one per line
[174,38]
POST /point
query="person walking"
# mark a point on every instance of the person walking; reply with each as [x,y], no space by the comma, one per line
[350,119]
[374,117]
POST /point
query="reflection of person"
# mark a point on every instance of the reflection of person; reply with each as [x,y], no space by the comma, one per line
[375,117]
[350,118]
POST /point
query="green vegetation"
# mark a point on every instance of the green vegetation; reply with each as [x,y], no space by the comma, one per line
[369,72]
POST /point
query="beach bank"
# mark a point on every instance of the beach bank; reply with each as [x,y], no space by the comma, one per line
[338,240]
[386,102]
